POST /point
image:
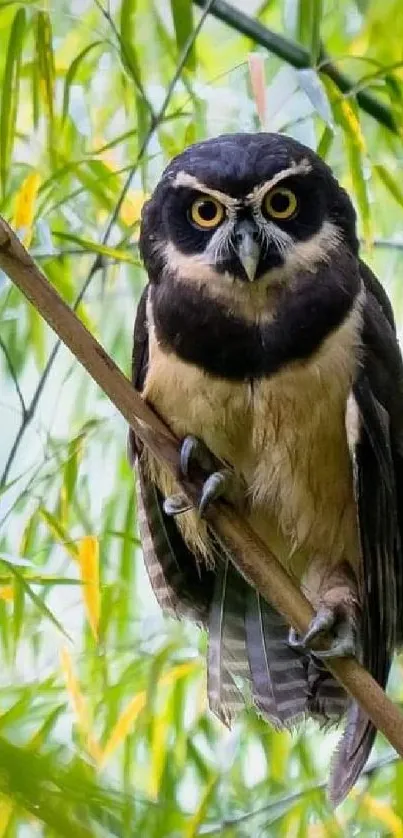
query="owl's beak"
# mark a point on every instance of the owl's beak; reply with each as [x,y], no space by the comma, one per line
[247,247]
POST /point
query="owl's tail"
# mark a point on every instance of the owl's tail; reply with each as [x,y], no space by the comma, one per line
[351,755]
[248,639]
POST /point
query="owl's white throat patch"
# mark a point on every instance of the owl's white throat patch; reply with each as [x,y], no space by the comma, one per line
[253,299]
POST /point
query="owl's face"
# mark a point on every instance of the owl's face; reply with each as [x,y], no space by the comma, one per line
[243,209]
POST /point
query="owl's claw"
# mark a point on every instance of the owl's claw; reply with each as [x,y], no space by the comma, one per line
[176,504]
[333,623]
[215,487]
[193,449]
[216,484]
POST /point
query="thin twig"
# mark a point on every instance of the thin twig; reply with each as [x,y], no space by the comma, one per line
[250,556]
[298,57]
[294,797]
[99,261]
[136,77]
[159,116]
[13,376]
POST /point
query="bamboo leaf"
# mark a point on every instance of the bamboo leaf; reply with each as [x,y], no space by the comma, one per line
[58,531]
[192,829]
[127,38]
[96,247]
[88,560]
[256,64]
[71,75]
[10,94]
[314,89]
[42,607]
[129,715]
[391,183]
[348,117]
[182,15]
[79,705]
[70,473]
[25,206]
[46,70]
[7,809]
[309,21]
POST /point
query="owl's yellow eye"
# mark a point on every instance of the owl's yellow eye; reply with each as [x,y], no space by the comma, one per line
[206,213]
[280,203]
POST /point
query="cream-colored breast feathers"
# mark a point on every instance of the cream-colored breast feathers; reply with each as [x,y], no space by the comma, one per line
[284,435]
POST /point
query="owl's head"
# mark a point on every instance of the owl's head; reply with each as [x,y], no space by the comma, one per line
[245,209]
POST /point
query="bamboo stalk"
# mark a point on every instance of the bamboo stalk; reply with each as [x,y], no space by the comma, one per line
[250,556]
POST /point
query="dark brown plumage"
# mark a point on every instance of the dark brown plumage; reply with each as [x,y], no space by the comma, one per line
[262,334]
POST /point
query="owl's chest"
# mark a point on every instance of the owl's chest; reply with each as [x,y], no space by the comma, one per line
[284,435]
[278,433]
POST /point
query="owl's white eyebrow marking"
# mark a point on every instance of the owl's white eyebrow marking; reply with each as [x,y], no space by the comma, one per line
[185,179]
[259,191]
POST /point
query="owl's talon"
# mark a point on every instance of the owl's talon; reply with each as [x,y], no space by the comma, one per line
[176,504]
[333,623]
[193,449]
[214,487]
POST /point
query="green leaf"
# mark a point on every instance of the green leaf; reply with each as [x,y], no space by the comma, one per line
[71,75]
[391,183]
[45,611]
[325,143]
[96,247]
[58,531]
[10,94]
[348,116]
[308,25]
[182,14]
[127,40]
[46,71]
[74,453]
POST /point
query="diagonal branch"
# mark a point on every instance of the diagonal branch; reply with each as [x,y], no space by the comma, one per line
[250,556]
[298,57]
[99,261]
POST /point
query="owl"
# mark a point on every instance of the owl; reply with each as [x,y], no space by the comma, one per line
[269,348]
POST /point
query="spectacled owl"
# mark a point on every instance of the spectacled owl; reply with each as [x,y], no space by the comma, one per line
[270,350]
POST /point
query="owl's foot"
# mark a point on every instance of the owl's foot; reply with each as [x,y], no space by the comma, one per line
[335,624]
[218,483]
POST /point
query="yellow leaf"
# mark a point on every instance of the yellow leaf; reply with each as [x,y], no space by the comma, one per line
[158,752]
[354,124]
[130,211]
[192,828]
[7,809]
[79,705]
[129,715]
[258,84]
[381,812]
[88,560]
[25,206]
[123,725]
[6,592]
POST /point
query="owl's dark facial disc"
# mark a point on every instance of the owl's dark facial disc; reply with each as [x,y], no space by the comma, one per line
[245,209]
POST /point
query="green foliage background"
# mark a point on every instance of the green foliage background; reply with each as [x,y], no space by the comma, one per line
[105,731]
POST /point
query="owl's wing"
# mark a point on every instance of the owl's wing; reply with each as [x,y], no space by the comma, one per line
[377,453]
[181,586]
